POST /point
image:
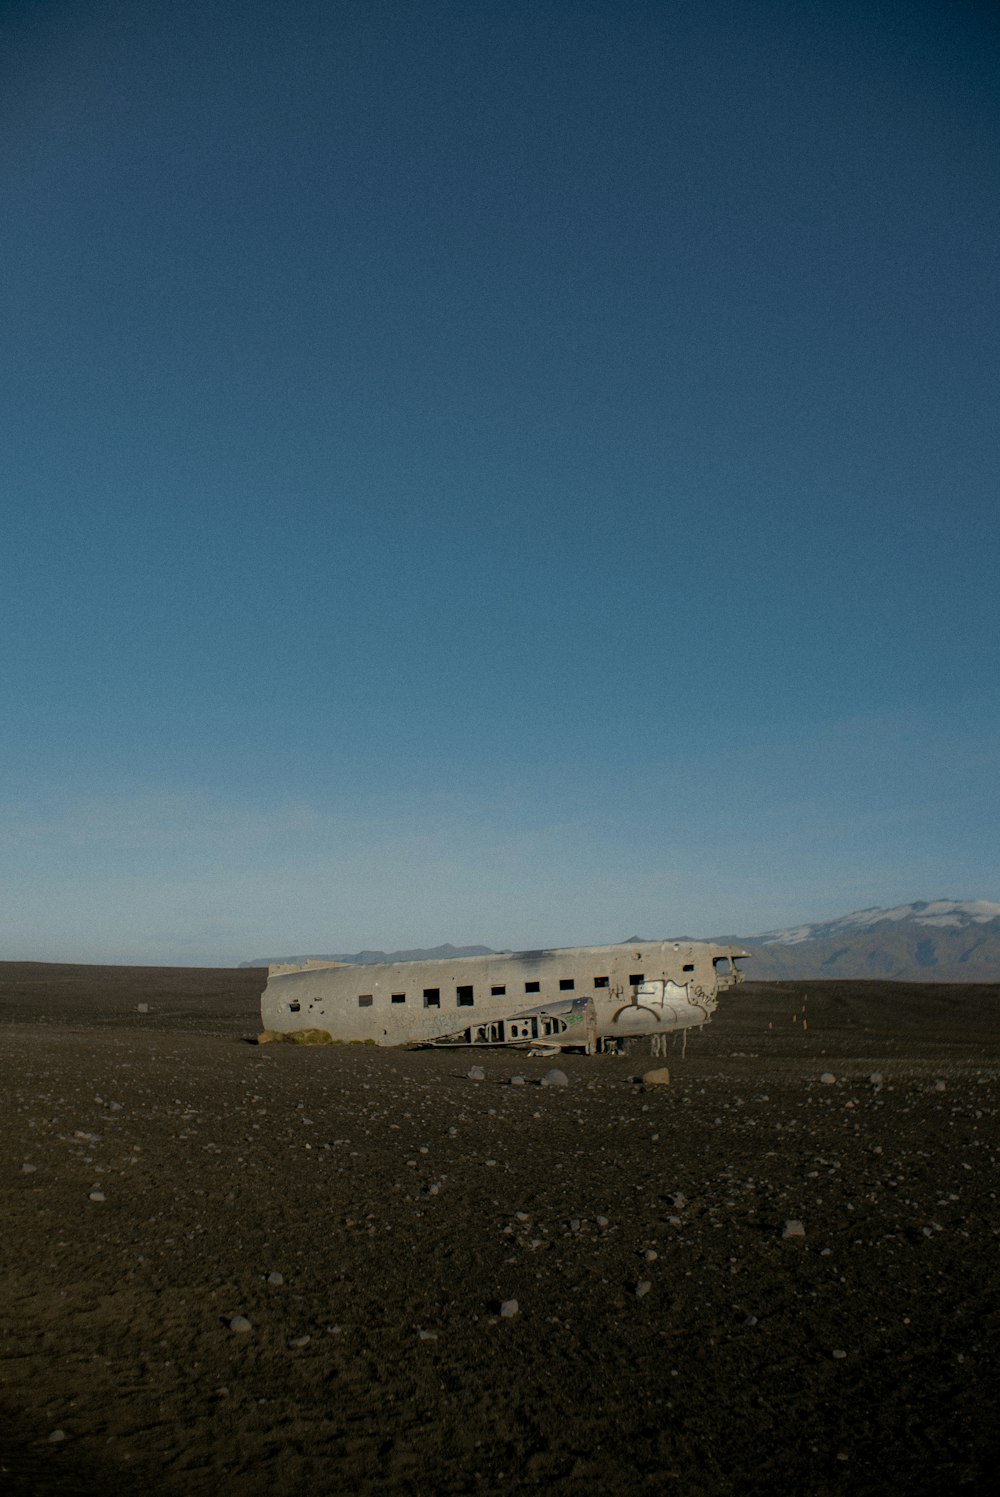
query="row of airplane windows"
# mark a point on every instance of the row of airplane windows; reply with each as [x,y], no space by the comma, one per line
[465,995]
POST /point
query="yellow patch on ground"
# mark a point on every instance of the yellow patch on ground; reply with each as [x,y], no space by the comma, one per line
[296,1037]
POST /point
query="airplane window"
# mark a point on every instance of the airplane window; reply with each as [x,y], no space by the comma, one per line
[399,997]
[635,978]
[688,967]
[463,997]
[532,987]
[499,990]
[364,1000]
[566,984]
[600,982]
[432,997]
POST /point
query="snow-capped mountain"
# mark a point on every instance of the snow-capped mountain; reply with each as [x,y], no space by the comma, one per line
[940,940]
[958,913]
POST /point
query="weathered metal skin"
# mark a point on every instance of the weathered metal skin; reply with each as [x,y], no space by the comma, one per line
[577,997]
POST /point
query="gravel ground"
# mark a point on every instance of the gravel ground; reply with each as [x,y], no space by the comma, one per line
[345,1270]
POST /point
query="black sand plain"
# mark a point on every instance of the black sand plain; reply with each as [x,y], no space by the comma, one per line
[158,1168]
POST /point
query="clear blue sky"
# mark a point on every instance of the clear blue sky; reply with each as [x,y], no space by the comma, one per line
[518,473]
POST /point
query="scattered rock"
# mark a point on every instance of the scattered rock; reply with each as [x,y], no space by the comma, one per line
[659,1077]
[899,1158]
[56,1436]
[476,1073]
[96,1195]
[508,1309]
[555,1077]
[828,1078]
[940,1086]
[142,1008]
[28,1169]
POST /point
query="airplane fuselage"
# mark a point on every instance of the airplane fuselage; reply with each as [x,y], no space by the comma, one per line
[571,997]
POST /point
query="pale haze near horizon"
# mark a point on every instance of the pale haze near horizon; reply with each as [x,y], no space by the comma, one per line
[496,474]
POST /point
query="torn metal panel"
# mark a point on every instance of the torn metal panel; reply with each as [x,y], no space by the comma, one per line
[571,1024]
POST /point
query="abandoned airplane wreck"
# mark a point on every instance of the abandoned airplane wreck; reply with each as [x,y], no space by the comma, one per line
[589,998]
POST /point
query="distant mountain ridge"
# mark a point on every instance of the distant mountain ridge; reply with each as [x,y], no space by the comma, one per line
[939,940]
[370,958]
[938,912]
